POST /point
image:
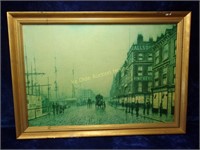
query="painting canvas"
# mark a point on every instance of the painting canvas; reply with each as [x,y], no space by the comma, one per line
[80,74]
[100,74]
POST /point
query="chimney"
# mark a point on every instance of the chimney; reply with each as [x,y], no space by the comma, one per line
[150,39]
[139,39]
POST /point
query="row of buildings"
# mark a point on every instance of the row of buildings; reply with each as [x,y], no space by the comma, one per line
[83,95]
[148,73]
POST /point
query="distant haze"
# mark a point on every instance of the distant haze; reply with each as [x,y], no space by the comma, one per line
[94,52]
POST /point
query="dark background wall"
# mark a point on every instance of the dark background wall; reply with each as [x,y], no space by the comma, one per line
[188,140]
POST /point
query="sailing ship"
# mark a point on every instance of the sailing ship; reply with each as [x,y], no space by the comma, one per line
[37,100]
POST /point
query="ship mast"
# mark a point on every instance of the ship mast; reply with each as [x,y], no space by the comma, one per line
[30,85]
[73,88]
[27,72]
[31,80]
[48,89]
[55,82]
[35,76]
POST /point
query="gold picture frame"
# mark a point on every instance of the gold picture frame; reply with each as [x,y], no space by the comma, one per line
[16,21]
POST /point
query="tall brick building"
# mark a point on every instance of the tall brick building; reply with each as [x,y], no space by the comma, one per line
[148,73]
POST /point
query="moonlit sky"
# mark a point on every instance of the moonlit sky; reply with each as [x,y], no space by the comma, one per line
[95,52]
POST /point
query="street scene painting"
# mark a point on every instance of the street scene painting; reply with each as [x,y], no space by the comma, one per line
[99,74]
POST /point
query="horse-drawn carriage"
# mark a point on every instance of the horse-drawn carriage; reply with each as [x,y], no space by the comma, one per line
[100,102]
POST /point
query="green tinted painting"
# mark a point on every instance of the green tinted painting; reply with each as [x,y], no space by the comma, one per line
[99,74]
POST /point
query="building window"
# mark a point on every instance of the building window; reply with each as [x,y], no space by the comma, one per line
[122,73]
[164,79]
[150,57]
[165,70]
[139,86]
[156,82]
[156,75]
[149,70]
[149,86]
[164,76]
[140,56]
[140,70]
[165,51]
[130,58]
[156,78]
[157,57]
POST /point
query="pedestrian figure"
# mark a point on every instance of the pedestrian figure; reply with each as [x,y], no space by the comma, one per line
[132,107]
[122,103]
[161,107]
[148,107]
[104,104]
[62,108]
[54,108]
[89,102]
[137,109]
[129,106]
[144,108]
[117,103]
[57,108]
[154,99]
[126,106]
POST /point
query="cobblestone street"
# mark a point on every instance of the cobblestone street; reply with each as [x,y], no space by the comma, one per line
[82,115]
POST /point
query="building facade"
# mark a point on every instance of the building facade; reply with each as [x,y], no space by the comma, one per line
[164,70]
[148,73]
[133,82]
[141,69]
[84,94]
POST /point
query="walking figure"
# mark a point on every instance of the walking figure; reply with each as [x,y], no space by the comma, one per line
[161,107]
[122,102]
[126,105]
[57,108]
[148,107]
[144,108]
[89,103]
[54,108]
[137,109]
[129,106]
[132,107]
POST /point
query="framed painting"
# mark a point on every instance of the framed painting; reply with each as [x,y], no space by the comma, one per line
[79,74]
